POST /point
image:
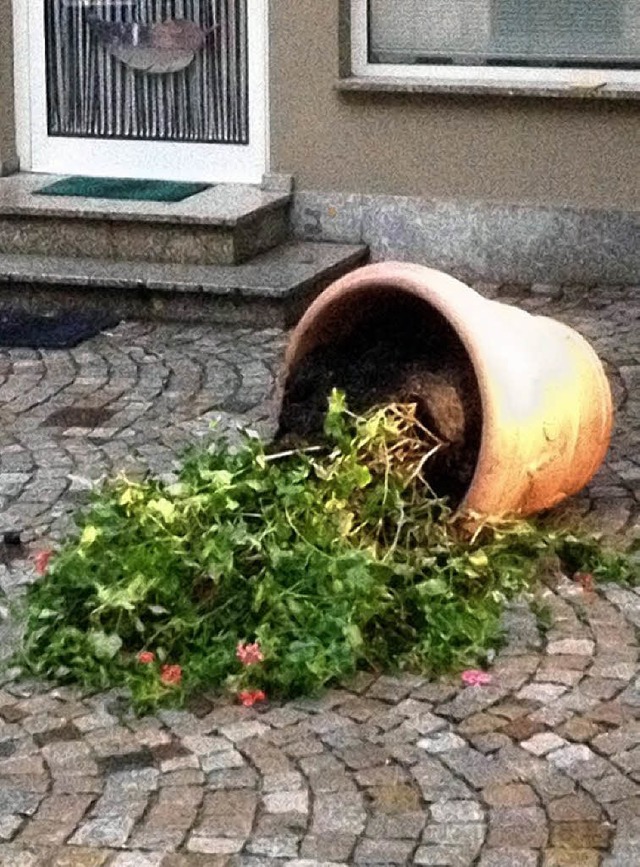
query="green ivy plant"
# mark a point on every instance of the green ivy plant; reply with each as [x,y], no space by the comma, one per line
[309,564]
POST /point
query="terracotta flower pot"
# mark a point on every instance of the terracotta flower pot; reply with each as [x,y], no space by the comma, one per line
[546,410]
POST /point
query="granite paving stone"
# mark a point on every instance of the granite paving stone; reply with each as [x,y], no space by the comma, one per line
[443,856]
[388,775]
[539,769]
[215,845]
[463,835]
[383,851]
[490,742]
[612,787]
[273,847]
[542,692]
[509,856]
[327,847]
[395,800]
[108,831]
[437,783]
[509,795]
[527,825]
[456,811]
[167,822]
[344,815]
[558,857]
[9,825]
[579,762]
[286,802]
[574,808]
[571,647]
[578,835]
[442,743]
[138,859]
[543,743]
[226,814]
[400,825]
[282,782]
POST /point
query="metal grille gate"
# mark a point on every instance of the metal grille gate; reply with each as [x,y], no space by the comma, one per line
[92,93]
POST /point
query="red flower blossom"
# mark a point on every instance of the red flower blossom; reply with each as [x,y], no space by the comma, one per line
[42,561]
[145,657]
[586,580]
[171,674]
[251,697]
[473,677]
[249,654]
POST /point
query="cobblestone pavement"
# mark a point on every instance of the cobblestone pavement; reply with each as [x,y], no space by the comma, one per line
[541,767]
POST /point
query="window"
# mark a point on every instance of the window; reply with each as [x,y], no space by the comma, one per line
[531,40]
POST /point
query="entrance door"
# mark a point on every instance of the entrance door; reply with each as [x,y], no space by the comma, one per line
[166,89]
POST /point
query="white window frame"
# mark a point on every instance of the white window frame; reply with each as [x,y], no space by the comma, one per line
[162,160]
[509,76]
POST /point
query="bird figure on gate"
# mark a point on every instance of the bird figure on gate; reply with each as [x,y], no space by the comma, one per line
[158,48]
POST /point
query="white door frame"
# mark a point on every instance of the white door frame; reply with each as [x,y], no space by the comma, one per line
[182,161]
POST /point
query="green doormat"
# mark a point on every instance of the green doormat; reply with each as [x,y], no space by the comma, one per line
[123,188]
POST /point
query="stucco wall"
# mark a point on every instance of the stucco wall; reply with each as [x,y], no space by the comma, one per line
[7,132]
[499,149]
[505,150]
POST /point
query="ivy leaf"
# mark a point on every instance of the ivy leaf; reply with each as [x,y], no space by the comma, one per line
[353,635]
[222,478]
[361,476]
[335,424]
[478,559]
[433,587]
[89,535]
[126,497]
[345,523]
[177,489]
[164,507]
[104,646]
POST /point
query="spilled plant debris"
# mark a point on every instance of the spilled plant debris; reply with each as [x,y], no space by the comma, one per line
[269,574]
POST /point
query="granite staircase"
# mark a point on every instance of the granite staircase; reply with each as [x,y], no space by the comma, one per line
[222,255]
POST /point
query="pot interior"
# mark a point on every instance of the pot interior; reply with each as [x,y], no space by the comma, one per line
[379,346]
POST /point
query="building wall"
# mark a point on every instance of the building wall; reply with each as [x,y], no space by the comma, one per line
[502,150]
[533,151]
[7,132]
[489,188]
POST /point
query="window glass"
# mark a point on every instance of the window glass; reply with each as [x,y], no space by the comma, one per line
[588,33]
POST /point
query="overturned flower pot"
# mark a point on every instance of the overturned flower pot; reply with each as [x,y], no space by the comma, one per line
[520,402]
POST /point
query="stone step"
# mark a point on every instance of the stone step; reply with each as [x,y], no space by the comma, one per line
[271,290]
[223,225]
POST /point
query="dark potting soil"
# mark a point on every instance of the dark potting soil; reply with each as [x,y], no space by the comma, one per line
[397,352]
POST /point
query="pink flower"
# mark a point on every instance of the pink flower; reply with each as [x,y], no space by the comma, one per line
[473,677]
[171,674]
[145,657]
[249,698]
[249,654]
[41,561]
